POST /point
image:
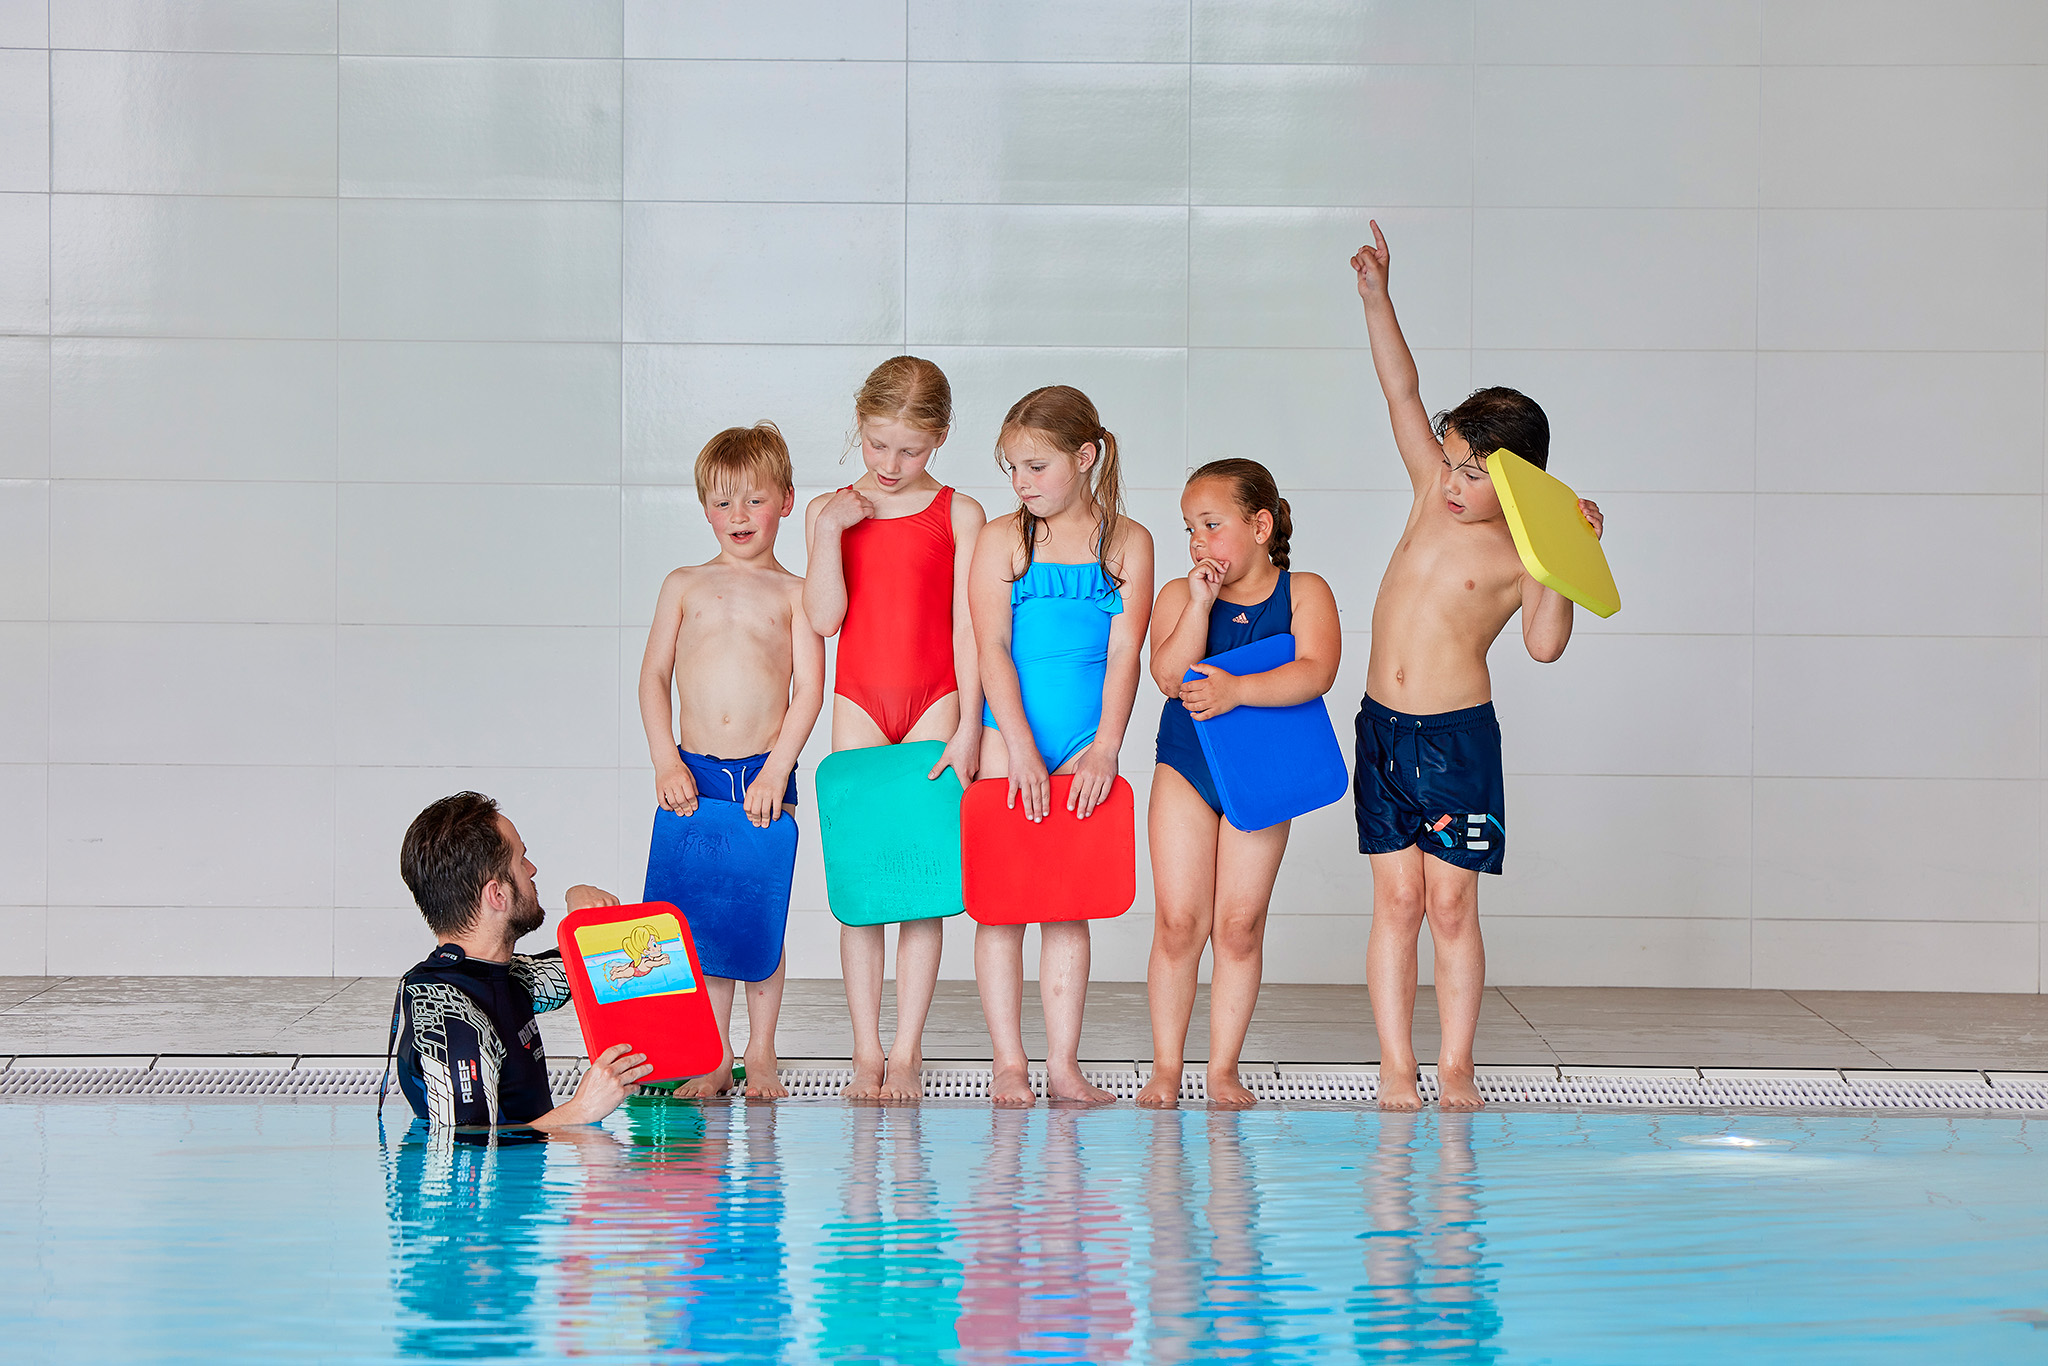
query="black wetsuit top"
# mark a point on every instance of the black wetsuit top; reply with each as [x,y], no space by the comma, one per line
[469,1049]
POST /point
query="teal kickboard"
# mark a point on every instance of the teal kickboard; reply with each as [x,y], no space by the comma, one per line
[890,835]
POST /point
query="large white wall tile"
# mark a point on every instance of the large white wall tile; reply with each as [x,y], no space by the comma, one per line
[1333,31]
[811,30]
[1864,849]
[1271,135]
[198,26]
[679,397]
[191,835]
[661,529]
[1900,417]
[1048,133]
[1897,707]
[1346,537]
[131,550]
[484,28]
[479,412]
[1615,704]
[1636,137]
[1565,951]
[1621,32]
[381,941]
[216,694]
[1140,395]
[498,696]
[23,935]
[191,409]
[764,273]
[24,263]
[1830,279]
[1620,278]
[1840,564]
[1871,955]
[1315,418]
[128,265]
[24,692]
[479,554]
[1683,562]
[24,120]
[1674,848]
[24,23]
[1048,31]
[192,123]
[189,941]
[24,836]
[1929,137]
[24,550]
[1282,277]
[442,127]
[1904,32]
[817,131]
[25,407]
[1040,276]
[446,270]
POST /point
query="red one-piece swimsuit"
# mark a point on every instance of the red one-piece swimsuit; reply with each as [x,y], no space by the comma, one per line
[896,645]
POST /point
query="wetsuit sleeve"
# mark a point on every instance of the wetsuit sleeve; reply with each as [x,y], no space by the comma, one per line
[457,1051]
[545,979]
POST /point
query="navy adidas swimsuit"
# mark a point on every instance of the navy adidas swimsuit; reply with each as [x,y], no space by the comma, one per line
[1231,624]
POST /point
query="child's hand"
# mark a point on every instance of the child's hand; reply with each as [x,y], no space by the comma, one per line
[675,789]
[1093,777]
[582,897]
[1211,695]
[1205,581]
[846,508]
[963,756]
[764,796]
[1371,265]
[1029,779]
[1590,510]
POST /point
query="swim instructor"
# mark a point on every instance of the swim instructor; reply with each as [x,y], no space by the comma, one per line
[468,1047]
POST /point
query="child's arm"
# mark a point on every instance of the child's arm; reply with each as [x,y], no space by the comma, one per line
[1318,644]
[1097,769]
[806,699]
[963,751]
[1391,361]
[1180,624]
[674,789]
[1547,613]
[988,591]
[825,520]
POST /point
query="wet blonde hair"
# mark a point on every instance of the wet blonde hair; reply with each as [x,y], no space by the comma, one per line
[906,389]
[738,454]
[1063,417]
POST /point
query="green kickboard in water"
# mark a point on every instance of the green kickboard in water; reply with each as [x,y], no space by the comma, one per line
[890,835]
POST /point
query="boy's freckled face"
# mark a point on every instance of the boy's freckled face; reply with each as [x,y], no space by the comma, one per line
[896,454]
[1467,488]
[745,519]
[1218,529]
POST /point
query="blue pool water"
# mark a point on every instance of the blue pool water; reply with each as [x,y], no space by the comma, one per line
[813,1231]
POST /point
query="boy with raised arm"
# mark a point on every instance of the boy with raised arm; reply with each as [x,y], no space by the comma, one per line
[1428,774]
[748,675]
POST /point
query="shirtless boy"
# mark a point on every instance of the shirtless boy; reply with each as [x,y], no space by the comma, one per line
[1428,775]
[748,675]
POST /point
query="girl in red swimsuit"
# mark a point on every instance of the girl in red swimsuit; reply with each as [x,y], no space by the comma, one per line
[887,574]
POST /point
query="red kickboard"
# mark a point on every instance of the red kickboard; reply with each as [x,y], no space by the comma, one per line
[1014,871]
[634,976]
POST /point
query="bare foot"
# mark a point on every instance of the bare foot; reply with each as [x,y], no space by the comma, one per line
[1225,1089]
[867,1080]
[763,1081]
[1011,1087]
[1071,1085]
[710,1086]
[1397,1088]
[905,1079]
[1162,1092]
[1456,1090]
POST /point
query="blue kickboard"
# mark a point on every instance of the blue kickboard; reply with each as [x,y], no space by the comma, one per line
[1271,764]
[731,878]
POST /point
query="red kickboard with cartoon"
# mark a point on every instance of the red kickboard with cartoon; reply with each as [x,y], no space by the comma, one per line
[634,976]
[1014,871]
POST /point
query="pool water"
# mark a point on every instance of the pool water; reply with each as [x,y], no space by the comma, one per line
[815,1231]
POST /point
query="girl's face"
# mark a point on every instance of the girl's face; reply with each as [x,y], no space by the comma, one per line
[1218,529]
[1047,479]
[896,454]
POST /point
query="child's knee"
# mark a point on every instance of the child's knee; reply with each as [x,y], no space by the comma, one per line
[1453,910]
[1240,934]
[1179,929]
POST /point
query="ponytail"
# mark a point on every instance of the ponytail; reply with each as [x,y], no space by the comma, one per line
[1065,418]
[1251,484]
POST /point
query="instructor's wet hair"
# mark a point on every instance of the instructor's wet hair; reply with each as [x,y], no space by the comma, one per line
[1251,484]
[1497,418]
[1065,418]
[452,851]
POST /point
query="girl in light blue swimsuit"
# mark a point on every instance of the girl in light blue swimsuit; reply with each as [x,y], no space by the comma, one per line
[1060,593]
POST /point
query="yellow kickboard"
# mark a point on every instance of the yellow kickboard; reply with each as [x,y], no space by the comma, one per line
[1557,547]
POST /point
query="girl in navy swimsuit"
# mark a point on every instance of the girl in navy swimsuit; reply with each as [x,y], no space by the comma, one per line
[1212,881]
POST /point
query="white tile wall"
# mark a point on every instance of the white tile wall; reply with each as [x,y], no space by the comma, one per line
[353,359]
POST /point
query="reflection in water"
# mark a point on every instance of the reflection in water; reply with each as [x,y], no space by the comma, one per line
[1428,1289]
[887,1288]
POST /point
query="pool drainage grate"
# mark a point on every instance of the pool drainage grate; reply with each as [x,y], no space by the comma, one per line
[339,1078]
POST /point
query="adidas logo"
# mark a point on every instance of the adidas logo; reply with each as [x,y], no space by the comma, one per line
[1241,620]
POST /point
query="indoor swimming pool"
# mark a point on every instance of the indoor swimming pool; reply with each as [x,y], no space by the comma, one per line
[816,1231]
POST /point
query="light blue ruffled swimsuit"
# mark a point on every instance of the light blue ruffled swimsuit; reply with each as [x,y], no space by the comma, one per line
[1060,616]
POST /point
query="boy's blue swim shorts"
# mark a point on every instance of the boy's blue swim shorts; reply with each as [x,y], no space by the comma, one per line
[1433,781]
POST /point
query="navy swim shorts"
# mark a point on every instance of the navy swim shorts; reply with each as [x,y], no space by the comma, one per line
[1433,781]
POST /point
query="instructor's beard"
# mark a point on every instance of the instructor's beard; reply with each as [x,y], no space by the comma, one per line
[527,916]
